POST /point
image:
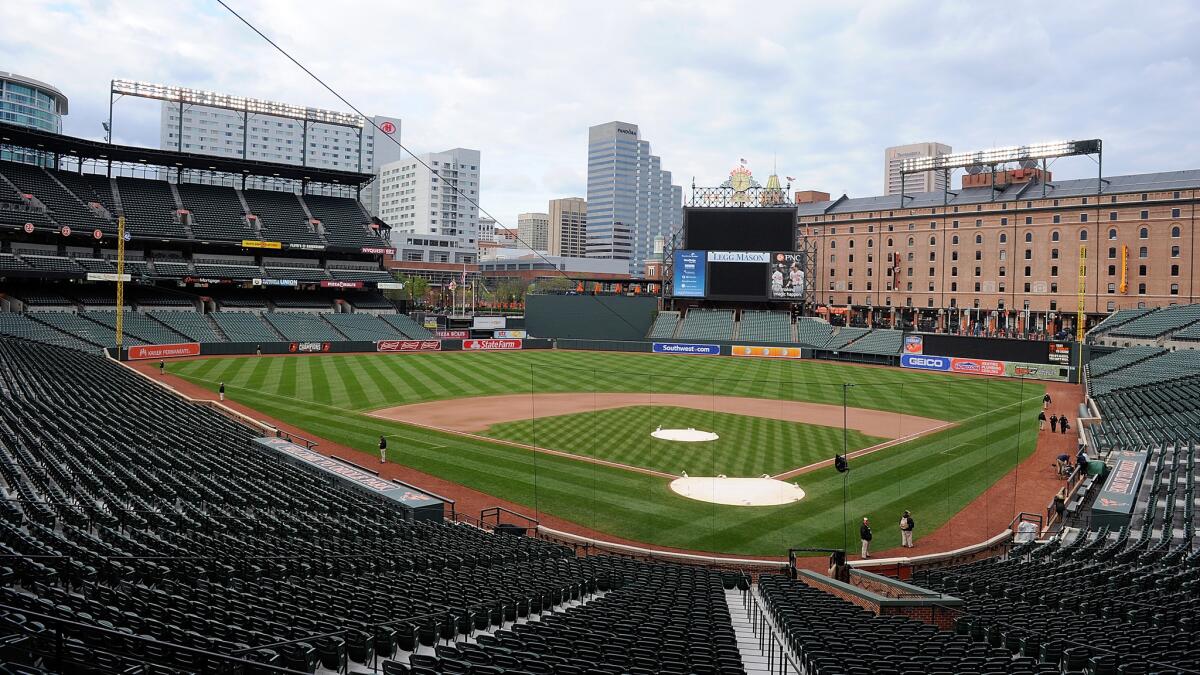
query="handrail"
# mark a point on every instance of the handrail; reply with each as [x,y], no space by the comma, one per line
[495,511]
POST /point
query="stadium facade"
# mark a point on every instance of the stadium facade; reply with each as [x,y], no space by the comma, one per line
[630,198]
[1009,256]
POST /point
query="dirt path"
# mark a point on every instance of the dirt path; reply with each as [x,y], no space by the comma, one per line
[476,414]
[1029,488]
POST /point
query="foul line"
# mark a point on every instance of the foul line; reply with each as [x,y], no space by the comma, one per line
[895,441]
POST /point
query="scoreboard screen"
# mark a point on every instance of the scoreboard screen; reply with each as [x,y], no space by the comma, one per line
[749,229]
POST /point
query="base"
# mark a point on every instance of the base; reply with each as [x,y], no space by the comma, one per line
[738,491]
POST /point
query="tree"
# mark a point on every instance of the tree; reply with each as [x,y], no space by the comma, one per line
[510,290]
[417,288]
[553,285]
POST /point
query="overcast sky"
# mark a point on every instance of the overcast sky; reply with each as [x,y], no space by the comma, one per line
[819,89]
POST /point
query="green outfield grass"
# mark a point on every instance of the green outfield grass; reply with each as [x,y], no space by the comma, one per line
[748,446]
[935,476]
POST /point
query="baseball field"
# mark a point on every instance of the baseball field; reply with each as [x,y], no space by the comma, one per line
[568,434]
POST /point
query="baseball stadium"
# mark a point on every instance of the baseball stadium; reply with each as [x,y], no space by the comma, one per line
[233,439]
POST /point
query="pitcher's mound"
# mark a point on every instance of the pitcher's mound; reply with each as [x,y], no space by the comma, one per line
[686,435]
[738,491]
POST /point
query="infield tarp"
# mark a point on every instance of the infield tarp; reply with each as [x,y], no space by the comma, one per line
[422,506]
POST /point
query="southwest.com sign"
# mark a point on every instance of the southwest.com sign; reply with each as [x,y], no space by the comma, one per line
[680,348]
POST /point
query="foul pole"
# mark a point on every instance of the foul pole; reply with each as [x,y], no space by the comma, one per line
[120,281]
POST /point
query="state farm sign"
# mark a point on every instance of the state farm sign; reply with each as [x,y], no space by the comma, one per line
[491,345]
[408,345]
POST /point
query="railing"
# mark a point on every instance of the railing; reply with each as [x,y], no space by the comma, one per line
[496,512]
[780,658]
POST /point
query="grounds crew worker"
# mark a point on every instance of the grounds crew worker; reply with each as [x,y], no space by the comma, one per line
[906,529]
[221,391]
[382,449]
[864,533]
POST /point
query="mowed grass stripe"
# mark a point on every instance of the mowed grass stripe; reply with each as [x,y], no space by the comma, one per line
[919,475]
[453,375]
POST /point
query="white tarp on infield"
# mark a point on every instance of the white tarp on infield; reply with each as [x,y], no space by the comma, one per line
[688,435]
[738,491]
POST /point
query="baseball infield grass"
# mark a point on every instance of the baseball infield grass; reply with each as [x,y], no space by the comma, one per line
[748,446]
[935,476]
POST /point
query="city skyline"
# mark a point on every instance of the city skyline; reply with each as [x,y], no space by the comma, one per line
[807,88]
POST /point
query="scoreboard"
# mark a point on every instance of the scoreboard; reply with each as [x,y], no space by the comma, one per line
[745,254]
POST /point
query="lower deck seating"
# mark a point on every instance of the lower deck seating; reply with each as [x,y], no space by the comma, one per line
[363,327]
[304,327]
[193,325]
[406,325]
[83,329]
[156,523]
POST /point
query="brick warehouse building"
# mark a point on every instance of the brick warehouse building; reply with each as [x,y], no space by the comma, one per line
[1006,258]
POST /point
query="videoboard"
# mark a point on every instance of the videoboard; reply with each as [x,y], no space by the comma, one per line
[740,254]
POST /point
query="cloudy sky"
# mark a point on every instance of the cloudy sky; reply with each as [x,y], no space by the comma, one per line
[819,89]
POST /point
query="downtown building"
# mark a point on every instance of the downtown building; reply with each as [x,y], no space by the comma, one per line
[436,198]
[245,128]
[630,198]
[568,227]
[928,181]
[533,230]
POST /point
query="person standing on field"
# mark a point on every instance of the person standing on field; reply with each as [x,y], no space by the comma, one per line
[162,366]
[1041,420]
[1053,423]
[383,449]
[906,529]
[1046,401]
[864,533]
[221,391]
[1064,425]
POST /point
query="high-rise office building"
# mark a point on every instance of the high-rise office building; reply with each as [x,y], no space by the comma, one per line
[29,103]
[630,198]
[226,131]
[533,229]
[568,227]
[415,201]
[929,181]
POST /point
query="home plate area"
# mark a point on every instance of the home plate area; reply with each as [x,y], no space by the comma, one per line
[737,491]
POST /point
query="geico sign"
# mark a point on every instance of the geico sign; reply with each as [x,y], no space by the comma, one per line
[924,362]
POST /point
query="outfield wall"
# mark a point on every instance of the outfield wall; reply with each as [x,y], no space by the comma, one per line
[156,352]
[608,317]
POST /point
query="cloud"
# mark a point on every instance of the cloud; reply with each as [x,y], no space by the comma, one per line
[819,89]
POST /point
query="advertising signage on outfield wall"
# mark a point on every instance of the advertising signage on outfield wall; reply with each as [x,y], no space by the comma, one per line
[681,348]
[141,352]
[766,352]
[988,367]
[408,345]
[491,345]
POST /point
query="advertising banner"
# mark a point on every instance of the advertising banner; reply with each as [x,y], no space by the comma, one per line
[914,344]
[341,284]
[680,348]
[254,243]
[977,366]
[389,285]
[309,347]
[1060,353]
[488,323]
[923,362]
[107,276]
[453,334]
[141,352]
[787,276]
[408,346]
[767,352]
[491,345]
[739,256]
[1036,371]
[510,334]
[306,247]
[430,323]
[274,282]
[379,250]
[689,274]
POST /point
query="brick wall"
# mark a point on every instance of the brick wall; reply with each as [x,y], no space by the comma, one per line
[941,617]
